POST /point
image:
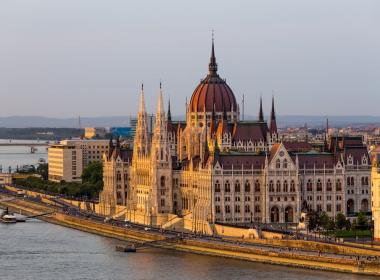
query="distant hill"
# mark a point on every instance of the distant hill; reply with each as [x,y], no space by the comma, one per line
[286,120]
[35,121]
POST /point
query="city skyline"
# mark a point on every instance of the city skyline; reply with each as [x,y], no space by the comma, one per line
[313,57]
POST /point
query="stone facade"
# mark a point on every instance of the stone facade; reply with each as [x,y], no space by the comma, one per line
[214,168]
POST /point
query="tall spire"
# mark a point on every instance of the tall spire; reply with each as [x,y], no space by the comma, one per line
[213,66]
[169,112]
[141,142]
[160,104]
[142,100]
[273,124]
[261,114]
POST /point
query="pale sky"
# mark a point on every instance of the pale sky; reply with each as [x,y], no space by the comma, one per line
[64,58]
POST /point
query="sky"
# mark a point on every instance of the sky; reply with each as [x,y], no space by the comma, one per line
[65,58]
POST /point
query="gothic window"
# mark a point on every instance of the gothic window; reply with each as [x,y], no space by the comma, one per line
[228,209]
[227,186]
[247,209]
[285,186]
[217,186]
[257,209]
[271,186]
[352,180]
[328,185]
[247,186]
[217,209]
[237,186]
[292,186]
[285,164]
[257,186]
[237,208]
[348,181]
[364,160]
[162,181]
[319,185]
[118,176]
[162,202]
[338,185]
[309,185]
[364,181]
[350,160]
[328,207]
[278,186]
[278,164]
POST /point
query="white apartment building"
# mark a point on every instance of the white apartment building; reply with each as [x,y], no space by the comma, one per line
[68,158]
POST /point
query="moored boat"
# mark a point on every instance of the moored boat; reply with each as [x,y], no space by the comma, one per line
[126,249]
[8,219]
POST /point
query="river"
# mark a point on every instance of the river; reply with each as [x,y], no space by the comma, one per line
[14,156]
[43,251]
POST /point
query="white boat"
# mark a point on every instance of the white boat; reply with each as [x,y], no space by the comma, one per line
[8,219]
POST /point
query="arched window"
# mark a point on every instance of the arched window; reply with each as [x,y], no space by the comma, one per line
[364,181]
[162,181]
[348,181]
[227,186]
[352,181]
[328,185]
[257,186]
[285,186]
[319,185]
[309,185]
[217,186]
[285,164]
[247,186]
[237,186]
[338,185]
[278,186]
[271,186]
[292,186]
[278,164]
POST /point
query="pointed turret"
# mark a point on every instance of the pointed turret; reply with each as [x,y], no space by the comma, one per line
[169,112]
[160,113]
[261,114]
[273,123]
[141,144]
[213,66]
[160,150]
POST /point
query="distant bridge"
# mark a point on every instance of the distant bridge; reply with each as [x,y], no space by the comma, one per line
[31,145]
[24,144]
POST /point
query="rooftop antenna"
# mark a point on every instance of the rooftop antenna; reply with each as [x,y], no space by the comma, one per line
[79,122]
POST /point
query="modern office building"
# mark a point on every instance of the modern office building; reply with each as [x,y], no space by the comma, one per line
[68,158]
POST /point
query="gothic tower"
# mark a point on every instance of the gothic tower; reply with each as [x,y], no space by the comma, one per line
[161,163]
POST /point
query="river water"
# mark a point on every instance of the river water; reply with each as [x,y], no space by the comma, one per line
[43,251]
[38,250]
[13,156]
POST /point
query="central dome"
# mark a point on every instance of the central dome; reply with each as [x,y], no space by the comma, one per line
[213,93]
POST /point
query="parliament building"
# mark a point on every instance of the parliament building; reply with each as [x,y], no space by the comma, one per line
[215,168]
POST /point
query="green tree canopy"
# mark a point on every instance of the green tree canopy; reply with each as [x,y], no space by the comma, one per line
[93,173]
[340,221]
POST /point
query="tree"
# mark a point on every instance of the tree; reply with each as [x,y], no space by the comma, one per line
[42,170]
[324,220]
[362,221]
[313,220]
[331,225]
[93,173]
[340,221]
